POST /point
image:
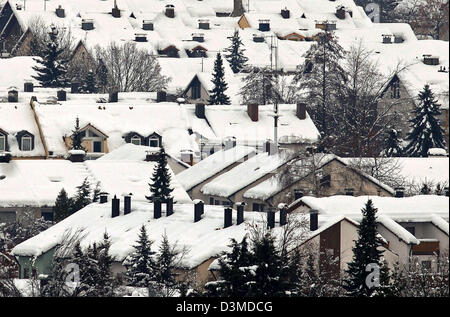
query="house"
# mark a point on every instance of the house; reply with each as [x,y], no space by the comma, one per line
[206,237]
[322,174]
[33,185]
[206,170]
[229,188]
[411,227]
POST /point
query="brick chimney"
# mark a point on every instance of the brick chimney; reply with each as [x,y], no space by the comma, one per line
[115,11]
[115,207]
[313,220]
[270,147]
[61,95]
[252,110]
[238,8]
[13,95]
[227,217]
[285,13]
[161,96]
[301,110]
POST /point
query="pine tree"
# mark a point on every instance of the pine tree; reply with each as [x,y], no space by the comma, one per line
[96,193]
[425,190]
[63,206]
[233,271]
[160,187]
[236,56]
[105,281]
[76,137]
[82,197]
[165,267]
[218,96]
[141,263]
[89,271]
[53,71]
[426,133]
[393,147]
[89,83]
[322,76]
[270,271]
[365,252]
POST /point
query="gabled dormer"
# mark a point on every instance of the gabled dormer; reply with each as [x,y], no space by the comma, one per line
[25,140]
[154,140]
[134,138]
[94,140]
[3,140]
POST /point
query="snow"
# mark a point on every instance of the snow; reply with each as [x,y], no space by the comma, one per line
[133,112]
[437,152]
[22,66]
[16,117]
[412,208]
[212,165]
[77,152]
[398,230]
[244,174]
[204,239]
[440,223]
[37,182]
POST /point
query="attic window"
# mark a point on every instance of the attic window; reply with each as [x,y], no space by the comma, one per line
[26,143]
[153,142]
[136,140]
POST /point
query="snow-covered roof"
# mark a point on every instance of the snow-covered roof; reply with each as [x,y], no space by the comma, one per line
[19,70]
[17,117]
[38,182]
[212,165]
[204,239]
[133,112]
[234,121]
[415,208]
[414,170]
[245,174]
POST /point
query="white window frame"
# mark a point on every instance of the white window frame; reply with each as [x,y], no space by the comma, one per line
[26,137]
[135,138]
[2,142]
[153,139]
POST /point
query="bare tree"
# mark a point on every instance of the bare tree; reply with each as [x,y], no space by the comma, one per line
[131,68]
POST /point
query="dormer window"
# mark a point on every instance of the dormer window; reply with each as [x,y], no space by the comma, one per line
[153,142]
[2,142]
[136,140]
[26,143]
[395,90]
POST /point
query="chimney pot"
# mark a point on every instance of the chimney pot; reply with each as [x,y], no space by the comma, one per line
[240,213]
[74,87]
[156,208]
[252,110]
[61,95]
[198,210]
[270,219]
[115,205]
[28,86]
[228,217]
[170,11]
[169,207]
[127,205]
[313,220]
[13,95]
[200,110]
[103,198]
[270,147]
[301,111]
[298,193]
[161,96]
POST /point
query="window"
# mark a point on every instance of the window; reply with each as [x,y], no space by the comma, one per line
[25,273]
[153,142]
[47,215]
[97,147]
[395,90]
[26,143]
[325,181]
[211,200]
[195,91]
[411,230]
[136,140]
[226,203]
[2,143]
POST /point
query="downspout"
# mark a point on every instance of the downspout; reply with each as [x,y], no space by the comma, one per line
[41,134]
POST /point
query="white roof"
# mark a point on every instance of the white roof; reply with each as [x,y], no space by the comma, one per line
[415,208]
[245,174]
[204,239]
[38,182]
[212,165]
